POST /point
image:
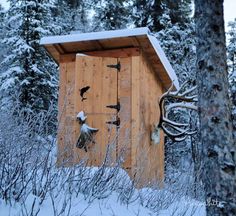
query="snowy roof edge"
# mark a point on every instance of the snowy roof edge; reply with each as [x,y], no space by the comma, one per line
[94,36]
[116,34]
[164,60]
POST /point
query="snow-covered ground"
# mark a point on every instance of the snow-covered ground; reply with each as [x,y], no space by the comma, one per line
[122,199]
[110,206]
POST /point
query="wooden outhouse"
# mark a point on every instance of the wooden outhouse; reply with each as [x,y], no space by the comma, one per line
[123,73]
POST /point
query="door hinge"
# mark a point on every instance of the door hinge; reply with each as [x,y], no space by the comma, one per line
[117,106]
[117,66]
[117,122]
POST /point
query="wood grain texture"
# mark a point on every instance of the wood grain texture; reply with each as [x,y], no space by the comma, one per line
[124,96]
[149,158]
[135,111]
[66,133]
[115,53]
[61,112]
[137,88]
[93,72]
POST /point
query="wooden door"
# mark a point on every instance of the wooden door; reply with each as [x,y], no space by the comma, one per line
[99,74]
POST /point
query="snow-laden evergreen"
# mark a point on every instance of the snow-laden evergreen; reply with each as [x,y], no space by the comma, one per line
[3,49]
[73,15]
[149,13]
[31,76]
[179,46]
[231,49]
[110,15]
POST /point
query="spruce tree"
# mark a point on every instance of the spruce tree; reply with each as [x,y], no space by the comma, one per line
[148,13]
[179,11]
[231,50]
[179,46]
[3,50]
[31,76]
[72,15]
[110,14]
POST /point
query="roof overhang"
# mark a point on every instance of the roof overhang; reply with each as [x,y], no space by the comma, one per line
[108,40]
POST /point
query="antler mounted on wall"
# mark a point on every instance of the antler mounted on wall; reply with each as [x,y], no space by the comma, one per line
[186,98]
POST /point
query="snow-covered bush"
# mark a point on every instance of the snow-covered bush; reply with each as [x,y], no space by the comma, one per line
[24,151]
[30,178]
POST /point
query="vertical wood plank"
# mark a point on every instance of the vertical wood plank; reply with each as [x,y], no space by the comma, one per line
[70,110]
[79,154]
[109,97]
[124,95]
[135,111]
[61,112]
[65,115]
[96,116]
[142,158]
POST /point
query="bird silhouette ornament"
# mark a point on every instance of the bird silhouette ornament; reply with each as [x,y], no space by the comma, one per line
[86,133]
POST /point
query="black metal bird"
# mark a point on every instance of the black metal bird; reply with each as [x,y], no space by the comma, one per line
[83,91]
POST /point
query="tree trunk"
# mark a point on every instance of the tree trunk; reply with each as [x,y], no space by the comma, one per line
[214,109]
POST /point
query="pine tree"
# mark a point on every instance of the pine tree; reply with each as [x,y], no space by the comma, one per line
[79,11]
[61,16]
[110,15]
[31,75]
[3,50]
[72,15]
[1,21]
[214,109]
[179,11]
[231,49]
[148,13]
[179,46]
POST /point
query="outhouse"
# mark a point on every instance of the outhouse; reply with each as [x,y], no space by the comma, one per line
[115,78]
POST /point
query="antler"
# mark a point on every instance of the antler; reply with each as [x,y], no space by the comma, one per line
[181,98]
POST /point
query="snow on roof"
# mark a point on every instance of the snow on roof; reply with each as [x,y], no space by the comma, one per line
[114,34]
[164,60]
[94,36]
